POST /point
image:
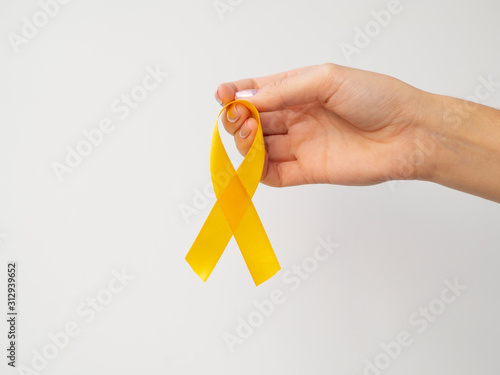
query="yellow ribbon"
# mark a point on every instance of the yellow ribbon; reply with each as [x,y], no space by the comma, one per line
[234,213]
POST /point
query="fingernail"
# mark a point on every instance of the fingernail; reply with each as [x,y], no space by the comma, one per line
[232,114]
[244,131]
[217,96]
[246,93]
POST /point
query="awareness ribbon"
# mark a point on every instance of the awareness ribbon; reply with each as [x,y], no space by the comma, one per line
[234,213]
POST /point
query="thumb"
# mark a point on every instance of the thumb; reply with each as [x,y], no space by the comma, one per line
[313,85]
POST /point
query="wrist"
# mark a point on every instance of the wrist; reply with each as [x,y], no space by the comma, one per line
[431,130]
[415,156]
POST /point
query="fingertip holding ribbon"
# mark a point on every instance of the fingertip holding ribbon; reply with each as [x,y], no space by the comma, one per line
[234,213]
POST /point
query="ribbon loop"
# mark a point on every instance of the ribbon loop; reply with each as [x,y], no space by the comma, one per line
[234,213]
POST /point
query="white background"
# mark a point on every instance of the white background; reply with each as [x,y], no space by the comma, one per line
[120,209]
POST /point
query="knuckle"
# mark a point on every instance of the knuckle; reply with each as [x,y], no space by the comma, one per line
[277,89]
[327,69]
[330,78]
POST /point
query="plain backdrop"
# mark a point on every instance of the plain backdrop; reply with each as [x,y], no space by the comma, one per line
[121,209]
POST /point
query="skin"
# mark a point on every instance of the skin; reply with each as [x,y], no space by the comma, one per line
[339,125]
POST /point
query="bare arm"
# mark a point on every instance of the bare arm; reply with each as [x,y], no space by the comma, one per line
[467,146]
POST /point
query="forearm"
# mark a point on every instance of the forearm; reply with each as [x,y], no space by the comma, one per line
[466,146]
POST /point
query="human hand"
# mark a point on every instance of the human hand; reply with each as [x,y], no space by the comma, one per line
[328,124]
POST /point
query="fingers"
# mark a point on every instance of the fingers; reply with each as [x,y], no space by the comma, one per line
[233,117]
[279,148]
[245,135]
[282,174]
[226,92]
[273,123]
[280,167]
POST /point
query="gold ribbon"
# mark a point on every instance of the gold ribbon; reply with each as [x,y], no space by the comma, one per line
[234,213]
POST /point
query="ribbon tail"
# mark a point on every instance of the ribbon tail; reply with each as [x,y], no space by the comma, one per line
[210,243]
[255,247]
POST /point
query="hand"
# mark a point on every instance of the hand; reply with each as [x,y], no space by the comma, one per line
[328,124]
